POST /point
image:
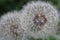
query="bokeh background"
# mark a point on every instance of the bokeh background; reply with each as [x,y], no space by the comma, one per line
[10,5]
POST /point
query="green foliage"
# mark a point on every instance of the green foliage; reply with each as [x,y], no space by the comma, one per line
[51,38]
[9,5]
[48,38]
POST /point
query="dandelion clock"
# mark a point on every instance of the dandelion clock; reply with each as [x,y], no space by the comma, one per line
[10,28]
[39,19]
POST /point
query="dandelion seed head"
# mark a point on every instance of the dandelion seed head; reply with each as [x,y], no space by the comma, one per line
[39,18]
[10,28]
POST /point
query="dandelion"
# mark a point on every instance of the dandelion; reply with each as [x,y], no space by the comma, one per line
[39,19]
[10,28]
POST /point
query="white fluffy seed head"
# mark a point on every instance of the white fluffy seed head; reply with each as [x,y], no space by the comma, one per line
[10,28]
[39,7]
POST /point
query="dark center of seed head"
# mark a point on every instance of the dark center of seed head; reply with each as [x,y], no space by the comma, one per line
[39,19]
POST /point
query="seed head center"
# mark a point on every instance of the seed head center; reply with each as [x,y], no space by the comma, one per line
[39,19]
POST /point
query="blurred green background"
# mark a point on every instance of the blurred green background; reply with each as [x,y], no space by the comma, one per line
[9,5]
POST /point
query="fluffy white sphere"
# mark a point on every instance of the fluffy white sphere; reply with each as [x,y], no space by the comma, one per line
[10,28]
[39,19]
